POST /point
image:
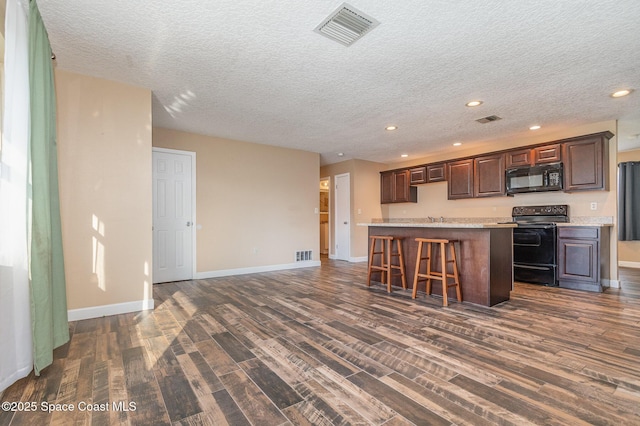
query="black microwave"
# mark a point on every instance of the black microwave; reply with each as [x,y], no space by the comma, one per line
[545,177]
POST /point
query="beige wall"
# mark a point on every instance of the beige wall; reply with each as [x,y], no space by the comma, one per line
[629,251]
[255,203]
[364,200]
[104,153]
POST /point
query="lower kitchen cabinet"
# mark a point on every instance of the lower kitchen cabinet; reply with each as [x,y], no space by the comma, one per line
[583,257]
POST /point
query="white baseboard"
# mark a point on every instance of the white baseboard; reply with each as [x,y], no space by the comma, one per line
[629,264]
[107,310]
[255,269]
[610,283]
[351,259]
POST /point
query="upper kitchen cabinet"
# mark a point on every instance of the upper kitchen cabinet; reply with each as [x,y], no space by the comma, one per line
[519,158]
[436,173]
[489,175]
[460,179]
[586,162]
[547,154]
[395,187]
[418,175]
[532,156]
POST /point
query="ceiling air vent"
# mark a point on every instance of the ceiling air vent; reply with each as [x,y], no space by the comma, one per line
[346,25]
[488,119]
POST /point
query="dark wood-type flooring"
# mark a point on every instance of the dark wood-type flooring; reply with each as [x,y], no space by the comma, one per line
[317,347]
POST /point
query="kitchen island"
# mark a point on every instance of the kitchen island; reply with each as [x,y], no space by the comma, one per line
[485,256]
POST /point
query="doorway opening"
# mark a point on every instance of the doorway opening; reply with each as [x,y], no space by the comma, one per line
[342,218]
[325,184]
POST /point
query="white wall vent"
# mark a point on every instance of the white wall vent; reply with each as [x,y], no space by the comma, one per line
[346,25]
[304,255]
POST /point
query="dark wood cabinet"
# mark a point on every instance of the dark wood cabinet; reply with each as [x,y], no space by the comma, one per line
[460,179]
[547,154]
[586,162]
[580,257]
[519,158]
[418,175]
[386,187]
[395,187]
[532,156]
[436,173]
[489,176]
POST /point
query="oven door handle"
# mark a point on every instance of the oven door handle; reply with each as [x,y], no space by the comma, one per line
[537,268]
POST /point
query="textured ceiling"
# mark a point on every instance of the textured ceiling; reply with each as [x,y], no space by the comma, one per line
[255,71]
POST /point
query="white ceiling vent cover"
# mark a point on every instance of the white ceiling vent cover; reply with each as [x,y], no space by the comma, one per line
[346,25]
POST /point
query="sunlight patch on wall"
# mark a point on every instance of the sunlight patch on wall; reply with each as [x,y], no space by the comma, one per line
[98,268]
[147,282]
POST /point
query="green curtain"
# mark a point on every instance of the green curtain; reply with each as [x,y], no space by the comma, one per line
[47,282]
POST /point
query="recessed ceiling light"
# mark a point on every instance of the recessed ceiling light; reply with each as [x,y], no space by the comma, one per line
[404,155]
[535,127]
[621,93]
[340,154]
[473,103]
[391,128]
[457,144]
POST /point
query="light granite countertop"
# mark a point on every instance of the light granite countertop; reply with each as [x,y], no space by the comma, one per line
[451,225]
[480,222]
[569,224]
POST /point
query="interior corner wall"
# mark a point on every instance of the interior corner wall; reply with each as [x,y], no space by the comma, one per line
[364,201]
[628,251]
[104,155]
[255,204]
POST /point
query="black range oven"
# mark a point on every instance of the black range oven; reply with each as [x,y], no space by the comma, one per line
[535,257]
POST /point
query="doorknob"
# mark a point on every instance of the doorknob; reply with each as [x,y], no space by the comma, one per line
[188,223]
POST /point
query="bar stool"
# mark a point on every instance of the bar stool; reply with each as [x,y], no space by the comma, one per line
[437,275]
[387,256]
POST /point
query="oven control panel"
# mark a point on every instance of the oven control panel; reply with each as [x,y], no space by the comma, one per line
[555,210]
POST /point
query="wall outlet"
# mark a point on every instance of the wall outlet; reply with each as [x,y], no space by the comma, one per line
[594,206]
[359,211]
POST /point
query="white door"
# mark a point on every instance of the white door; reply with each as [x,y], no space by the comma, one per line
[172,216]
[343,217]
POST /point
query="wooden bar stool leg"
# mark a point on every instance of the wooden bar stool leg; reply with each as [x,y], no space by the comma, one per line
[456,276]
[443,260]
[401,260]
[371,254]
[389,244]
[383,257]
[428,289]
[415,275]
